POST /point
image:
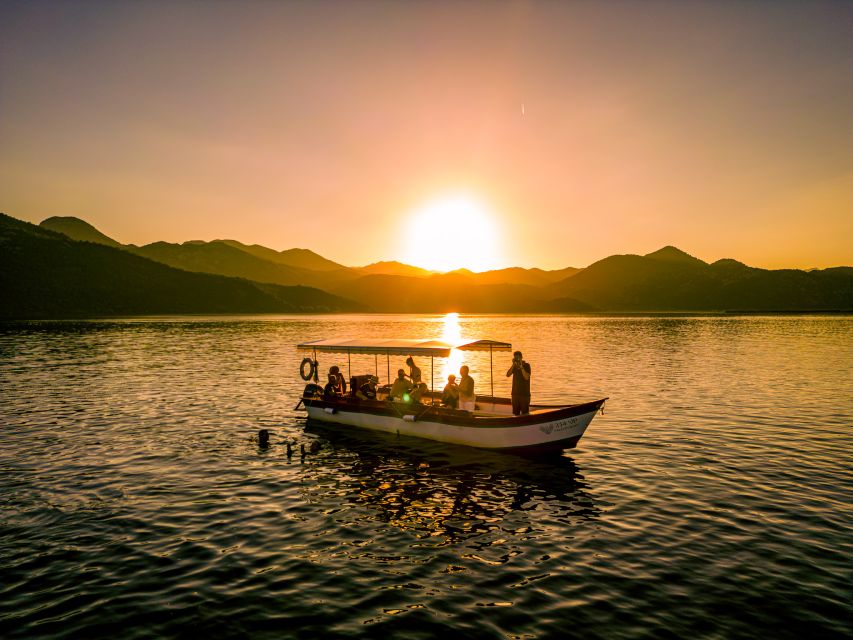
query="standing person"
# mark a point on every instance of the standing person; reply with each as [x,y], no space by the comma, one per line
[414,371]
[467,399]
[520,372]
[419,387]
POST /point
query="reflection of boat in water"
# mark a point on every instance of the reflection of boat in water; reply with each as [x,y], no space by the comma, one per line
[491,425]
[432,489]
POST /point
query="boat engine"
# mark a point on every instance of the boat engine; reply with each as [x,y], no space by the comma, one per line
[313,391]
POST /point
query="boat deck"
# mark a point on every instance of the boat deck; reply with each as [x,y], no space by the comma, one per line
[486,407]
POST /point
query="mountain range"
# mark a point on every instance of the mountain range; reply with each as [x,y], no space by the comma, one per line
[67,267]
[46,274]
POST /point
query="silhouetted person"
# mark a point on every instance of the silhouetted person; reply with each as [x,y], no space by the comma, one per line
[367,391]
[263,438]
[450,395]
[520,372]
[339,380]
[414,371]
[332,389]
[419,387]
[467,399]
[418,391]
[401,386]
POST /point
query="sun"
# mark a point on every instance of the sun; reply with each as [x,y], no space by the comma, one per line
[452,232]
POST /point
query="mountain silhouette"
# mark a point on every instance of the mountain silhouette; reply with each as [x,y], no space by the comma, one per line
[517,275]
[673,254]
[442,293]
[45,274]
[300,258]
[291,266]
[77,229]
[392,268]
[224,259]
[671,280]
[668,279]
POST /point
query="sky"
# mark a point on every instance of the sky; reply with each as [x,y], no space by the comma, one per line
[567,131]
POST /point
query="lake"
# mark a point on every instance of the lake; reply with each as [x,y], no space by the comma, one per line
[712,499]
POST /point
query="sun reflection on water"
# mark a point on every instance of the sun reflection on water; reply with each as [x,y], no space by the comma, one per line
[452,333]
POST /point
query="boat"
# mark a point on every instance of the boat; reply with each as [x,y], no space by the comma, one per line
[490,425]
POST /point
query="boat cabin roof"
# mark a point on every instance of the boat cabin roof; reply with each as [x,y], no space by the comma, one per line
[400,346]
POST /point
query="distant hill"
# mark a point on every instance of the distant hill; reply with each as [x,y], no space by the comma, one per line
[392,268]
[442,293]
[307,259]
[300,258]
[289,267]
[224,259]
[559,274]
[517,275]
[673,255]
[44,274]
[77,229]
[671,280]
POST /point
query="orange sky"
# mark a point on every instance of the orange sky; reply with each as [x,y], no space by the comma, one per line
[721,128]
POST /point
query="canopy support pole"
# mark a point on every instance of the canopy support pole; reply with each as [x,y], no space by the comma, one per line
[349,365]
[491,371]
[376,365]
[432,375]
[388,362]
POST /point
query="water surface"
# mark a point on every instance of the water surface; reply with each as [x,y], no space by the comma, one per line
[713,499]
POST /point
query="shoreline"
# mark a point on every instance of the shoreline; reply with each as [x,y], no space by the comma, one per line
[472,314]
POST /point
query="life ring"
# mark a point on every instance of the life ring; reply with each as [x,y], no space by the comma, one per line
[312,367]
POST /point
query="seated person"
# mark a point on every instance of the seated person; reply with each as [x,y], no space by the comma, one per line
[367,391]
[450,395]
[339,378]
[401,386]
[330,391]
[420,389]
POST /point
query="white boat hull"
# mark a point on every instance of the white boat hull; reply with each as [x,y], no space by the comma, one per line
[550,430]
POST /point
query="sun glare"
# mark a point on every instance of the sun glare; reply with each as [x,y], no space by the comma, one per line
[452,333]
[453,232]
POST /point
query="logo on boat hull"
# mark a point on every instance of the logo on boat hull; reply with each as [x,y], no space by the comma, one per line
[562,425]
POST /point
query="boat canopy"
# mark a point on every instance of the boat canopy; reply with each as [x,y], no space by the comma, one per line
[400,347]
